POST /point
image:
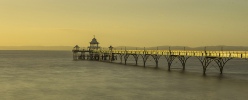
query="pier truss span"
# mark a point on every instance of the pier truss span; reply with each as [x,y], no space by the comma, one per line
[205,57]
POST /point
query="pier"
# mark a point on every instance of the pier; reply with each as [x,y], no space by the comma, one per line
[205,57]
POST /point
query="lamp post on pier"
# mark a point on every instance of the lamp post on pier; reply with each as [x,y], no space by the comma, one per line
[111,55]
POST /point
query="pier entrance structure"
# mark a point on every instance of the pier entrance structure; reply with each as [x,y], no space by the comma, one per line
[87,54]
[94,45]
[205,57]
[93,52]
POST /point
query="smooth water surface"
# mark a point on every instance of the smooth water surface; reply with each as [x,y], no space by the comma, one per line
[53,75]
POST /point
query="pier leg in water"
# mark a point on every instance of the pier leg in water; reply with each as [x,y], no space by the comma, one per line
[221,63]
[183,60]
[170,59]
[205,61]
[113,57]
[125,58]
[83,55]
[91,56]
[102,57]
[105,56]
[121,55]
[145,57]
[136,57]
[110,57]
[75,56]
[156,59]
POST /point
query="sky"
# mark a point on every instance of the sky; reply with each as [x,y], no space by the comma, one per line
[140,23]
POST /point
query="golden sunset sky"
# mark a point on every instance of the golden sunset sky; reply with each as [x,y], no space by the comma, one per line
[124,22]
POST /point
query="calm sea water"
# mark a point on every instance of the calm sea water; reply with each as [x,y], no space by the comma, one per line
[52,75]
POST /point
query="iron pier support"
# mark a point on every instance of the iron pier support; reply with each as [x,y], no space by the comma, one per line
[183,60]
[125,58]
[156,59]
[121,56]
[221,63]
[145,57]
[205,61]
[136,57]
[170,59]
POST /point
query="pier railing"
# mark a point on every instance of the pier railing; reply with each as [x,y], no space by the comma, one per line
[222,54]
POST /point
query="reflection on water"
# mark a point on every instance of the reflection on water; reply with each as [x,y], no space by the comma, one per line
[52,75]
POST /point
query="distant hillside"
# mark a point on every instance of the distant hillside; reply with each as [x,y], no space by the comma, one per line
[226,48]
[36,47]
